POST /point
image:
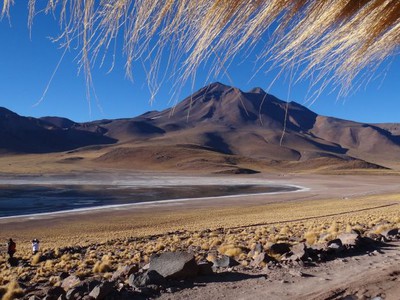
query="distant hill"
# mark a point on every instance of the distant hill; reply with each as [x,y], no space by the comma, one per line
[218,120]
[30,135]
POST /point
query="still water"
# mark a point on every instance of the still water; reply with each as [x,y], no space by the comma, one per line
[21,199]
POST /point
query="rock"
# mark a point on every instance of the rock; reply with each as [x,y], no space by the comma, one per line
[55,293]
[349,240]
[125,271]
[224,262]
[174,265]
[70,282]
[75,293]
[102,290]
[82,288]
[205,268]
[336,245]
[147,278]
[297,252]
[391,233]
[259,248]
[259,259]
[376,237]
[279,248]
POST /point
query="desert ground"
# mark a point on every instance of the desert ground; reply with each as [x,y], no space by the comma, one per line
[370,203]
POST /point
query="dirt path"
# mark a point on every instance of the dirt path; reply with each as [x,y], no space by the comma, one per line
[359,277]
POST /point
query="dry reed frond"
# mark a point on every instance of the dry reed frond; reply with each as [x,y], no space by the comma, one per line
[333,40]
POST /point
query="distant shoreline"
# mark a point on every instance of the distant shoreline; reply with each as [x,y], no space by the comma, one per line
[284,188]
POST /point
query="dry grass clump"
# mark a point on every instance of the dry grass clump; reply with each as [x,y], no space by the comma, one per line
[12,291]
[36,258]
[230,250]
[311,237]
[103,266]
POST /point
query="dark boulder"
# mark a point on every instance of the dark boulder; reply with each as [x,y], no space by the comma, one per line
[279,248]
[55,293]
[149,277]
[174,265]
[102,290]
[391,233]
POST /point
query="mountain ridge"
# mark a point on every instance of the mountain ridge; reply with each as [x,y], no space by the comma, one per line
[252,125]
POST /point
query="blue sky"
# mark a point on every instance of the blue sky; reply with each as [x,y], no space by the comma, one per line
[27,64]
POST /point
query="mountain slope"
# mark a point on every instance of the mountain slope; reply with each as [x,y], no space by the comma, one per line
[232,124]
[29,135]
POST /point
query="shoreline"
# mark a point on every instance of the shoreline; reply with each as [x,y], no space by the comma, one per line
[37,216]
[343,195]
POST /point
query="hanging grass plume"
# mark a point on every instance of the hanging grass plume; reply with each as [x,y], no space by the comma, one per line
[331,40]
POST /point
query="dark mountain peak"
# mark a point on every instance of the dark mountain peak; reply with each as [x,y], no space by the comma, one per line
[257,90]
[6,112]
[229,106]
[217,86]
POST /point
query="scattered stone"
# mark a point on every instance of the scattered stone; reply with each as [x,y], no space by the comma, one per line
[54,293]
[336,245]
[82,288]
[102,290]
[349,240]
[297,252]
[174,265]
[259,259]
[279,248]
[150,277]
[259,248]
[74,293]
[125,271]
[391,233]
[70,282]
[375,236]
[224,262]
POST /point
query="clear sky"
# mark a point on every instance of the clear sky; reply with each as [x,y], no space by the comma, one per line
[27,64]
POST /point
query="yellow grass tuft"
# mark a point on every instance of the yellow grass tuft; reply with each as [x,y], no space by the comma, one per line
[230,250]
[36,259]
[311,237]
[13,291]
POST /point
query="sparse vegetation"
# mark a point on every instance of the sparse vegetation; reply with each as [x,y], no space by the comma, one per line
[234,231]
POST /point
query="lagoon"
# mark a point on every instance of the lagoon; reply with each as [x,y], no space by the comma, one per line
[32,199]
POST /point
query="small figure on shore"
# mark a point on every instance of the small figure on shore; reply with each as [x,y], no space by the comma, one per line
[35,246]
[11,248]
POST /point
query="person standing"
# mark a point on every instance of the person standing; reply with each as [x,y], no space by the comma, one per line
[11,248]
[35,246]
